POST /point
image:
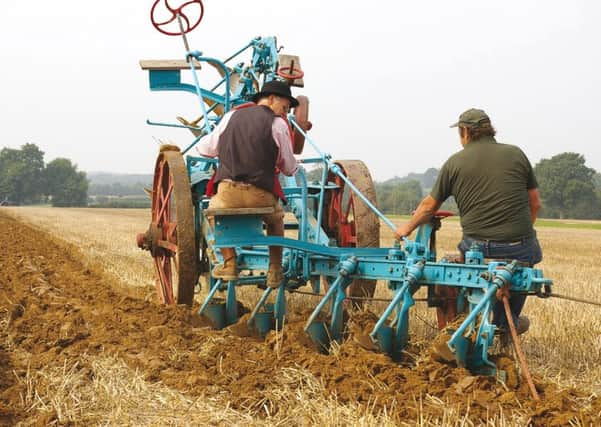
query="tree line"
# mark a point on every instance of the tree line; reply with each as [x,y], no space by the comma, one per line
[26,179]
[568,188]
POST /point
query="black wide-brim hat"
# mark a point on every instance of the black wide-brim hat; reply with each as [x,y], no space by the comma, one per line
[276,87]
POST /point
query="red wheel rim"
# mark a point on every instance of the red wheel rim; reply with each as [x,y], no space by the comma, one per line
[161,218]
[290,73]
[172,231]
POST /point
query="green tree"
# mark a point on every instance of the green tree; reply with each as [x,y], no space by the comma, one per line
[400,198]
[597,184]
[21,174]
[567,187]
[65,185]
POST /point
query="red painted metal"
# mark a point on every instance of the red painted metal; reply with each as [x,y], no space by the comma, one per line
[290,73]
[174,12]
[164,244]
[448,311]
[443,214]
[301,115]
[170,238]
[349,220]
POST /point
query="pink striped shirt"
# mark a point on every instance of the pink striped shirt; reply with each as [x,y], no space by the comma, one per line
[286,163]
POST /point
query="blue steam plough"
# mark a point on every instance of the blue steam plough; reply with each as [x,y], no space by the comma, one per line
[334,219]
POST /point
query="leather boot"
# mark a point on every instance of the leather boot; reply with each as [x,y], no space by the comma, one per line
[226,271]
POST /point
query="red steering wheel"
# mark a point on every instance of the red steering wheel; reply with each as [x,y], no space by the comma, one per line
[174,12]
[289,73]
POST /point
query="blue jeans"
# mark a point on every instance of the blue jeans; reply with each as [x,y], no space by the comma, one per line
[527,251]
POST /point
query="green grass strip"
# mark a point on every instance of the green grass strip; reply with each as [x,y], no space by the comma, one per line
[566,223]
[555,223]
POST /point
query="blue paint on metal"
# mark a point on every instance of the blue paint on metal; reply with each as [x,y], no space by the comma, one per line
[259,305]
[209,297]
[215,312]
[483,305]
[263,320]
[331,291]
[279,311]
[347,267]
[394,304]
[310,255]
[337,292]
[231,304]
[318,332]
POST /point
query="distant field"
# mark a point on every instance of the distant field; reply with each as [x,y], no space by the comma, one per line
[541,222]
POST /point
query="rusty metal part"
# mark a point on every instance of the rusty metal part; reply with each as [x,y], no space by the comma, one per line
[171,235]
[149,240]
[518,348]
[350,220]
[447,311]
[301,115]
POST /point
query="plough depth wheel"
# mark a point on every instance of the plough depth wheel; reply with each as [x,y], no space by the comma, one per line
[171,233]
[349,219]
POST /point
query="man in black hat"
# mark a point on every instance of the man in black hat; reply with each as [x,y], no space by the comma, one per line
[250,143]
[498,200]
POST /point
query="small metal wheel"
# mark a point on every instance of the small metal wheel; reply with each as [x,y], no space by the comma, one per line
[348,219]
[171,237]
[175,21]
[290,73]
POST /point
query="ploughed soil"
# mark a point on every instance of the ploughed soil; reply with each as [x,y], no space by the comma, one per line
[55,309]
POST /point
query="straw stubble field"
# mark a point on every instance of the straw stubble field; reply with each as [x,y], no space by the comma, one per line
[117,357]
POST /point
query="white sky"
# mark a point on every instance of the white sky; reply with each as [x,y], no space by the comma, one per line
[385,78]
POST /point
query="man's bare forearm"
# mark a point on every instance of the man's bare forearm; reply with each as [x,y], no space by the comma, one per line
[423,214]
[534,202]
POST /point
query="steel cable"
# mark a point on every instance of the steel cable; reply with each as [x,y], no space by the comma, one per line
[598,304]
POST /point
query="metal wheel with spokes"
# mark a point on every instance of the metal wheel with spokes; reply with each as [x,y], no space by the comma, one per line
[171,237]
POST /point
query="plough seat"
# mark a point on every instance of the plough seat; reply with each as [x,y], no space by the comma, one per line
[166,64]
[238,211]
[238,223]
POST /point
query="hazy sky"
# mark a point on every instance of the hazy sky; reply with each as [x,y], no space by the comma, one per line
[385,78]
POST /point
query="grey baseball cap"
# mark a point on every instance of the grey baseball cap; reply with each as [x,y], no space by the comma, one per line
[472,118]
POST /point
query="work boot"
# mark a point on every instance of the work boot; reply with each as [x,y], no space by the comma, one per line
[275,276]
[226,271]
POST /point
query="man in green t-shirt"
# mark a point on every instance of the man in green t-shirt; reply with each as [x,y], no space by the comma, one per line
[498,200]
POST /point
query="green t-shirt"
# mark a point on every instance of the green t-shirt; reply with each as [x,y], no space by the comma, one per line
[490,183]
